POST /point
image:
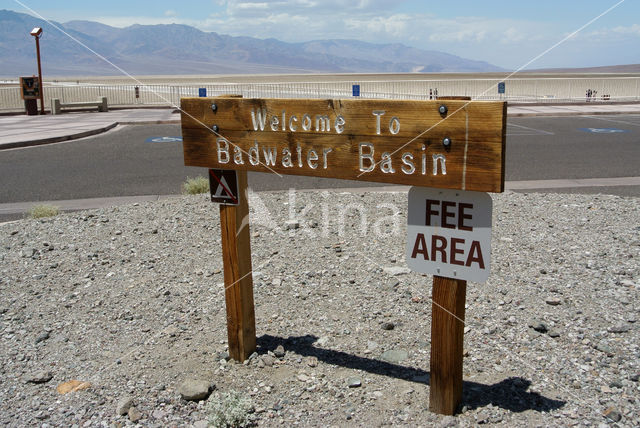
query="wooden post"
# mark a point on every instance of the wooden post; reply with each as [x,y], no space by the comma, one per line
[238,278]
[447,333]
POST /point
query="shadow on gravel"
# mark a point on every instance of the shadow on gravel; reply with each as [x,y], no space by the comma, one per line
[509,394]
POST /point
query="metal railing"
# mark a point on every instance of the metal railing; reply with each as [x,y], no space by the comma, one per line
[541,90]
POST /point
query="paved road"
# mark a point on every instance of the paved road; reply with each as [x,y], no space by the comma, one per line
[122,163]
[547,148]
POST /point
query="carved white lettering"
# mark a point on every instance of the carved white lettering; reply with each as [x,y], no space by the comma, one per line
[223,151]
[394,125]
[312,158]
[254,154]
[339,124]
[424,160]
[325,152]
[408,167]
[386,165]
[259,119]
[274,123]
[443,164]
[318,157]
[270,156]
[286,158]
[299,151]
[237,156]
[306,122]
[292,126]
[366,156]
[377,114]
[323,124]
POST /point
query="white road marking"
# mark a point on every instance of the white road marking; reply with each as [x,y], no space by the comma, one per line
[537,131]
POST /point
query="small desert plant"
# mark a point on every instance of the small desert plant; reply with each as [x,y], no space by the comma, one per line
[229,409]
[44,210]
[195,186]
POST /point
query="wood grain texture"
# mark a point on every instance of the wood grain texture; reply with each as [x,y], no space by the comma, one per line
[238,279]
[447,333]
[474,161]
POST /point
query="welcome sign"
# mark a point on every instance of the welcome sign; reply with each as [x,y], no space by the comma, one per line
[445,144]
[446,147]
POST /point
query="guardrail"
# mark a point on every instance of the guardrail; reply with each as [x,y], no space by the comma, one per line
[541,90]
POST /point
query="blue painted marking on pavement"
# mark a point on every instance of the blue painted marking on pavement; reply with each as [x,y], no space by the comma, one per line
[164,140]
[603,130]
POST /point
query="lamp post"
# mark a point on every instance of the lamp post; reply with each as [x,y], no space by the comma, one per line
[37,33]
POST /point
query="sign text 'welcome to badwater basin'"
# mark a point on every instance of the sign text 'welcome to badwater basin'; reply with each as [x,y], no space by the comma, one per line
[444,144]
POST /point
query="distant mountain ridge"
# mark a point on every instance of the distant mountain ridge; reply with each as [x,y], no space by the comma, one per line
[181,49]
[623,68]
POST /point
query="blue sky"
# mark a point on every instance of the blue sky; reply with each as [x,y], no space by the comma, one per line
[505,33]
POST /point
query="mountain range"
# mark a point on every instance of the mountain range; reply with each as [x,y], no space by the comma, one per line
[181,49]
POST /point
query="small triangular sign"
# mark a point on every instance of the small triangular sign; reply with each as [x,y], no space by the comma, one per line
[222,190]
[224,186]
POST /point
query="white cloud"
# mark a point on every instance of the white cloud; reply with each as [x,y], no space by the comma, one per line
[512,35]
[237,8]
[608,35]
[395,25]
[170,13]
[252,5]
[633,30]
[268,19]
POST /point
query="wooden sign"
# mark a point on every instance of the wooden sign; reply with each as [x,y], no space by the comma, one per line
[450,144]
[447,144]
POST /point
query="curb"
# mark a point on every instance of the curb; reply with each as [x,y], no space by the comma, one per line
[152,122]
[567,114]
[17,210]
[50,140]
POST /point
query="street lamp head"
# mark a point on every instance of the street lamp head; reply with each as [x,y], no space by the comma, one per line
[36,32]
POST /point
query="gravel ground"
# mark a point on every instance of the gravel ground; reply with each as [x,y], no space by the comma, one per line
[128,302]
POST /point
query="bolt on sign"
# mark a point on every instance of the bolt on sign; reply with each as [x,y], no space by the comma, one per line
[451,144]
[452,149]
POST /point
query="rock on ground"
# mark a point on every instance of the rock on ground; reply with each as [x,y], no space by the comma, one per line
[194,389]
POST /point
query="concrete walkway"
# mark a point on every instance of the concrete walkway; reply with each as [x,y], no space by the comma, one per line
[571,110]
[24,131]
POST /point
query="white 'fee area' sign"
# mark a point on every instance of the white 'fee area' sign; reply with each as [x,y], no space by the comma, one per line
[449,233]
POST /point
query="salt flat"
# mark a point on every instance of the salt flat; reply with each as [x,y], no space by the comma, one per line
[333,77]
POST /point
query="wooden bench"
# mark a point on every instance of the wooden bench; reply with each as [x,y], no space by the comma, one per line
[57,106]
